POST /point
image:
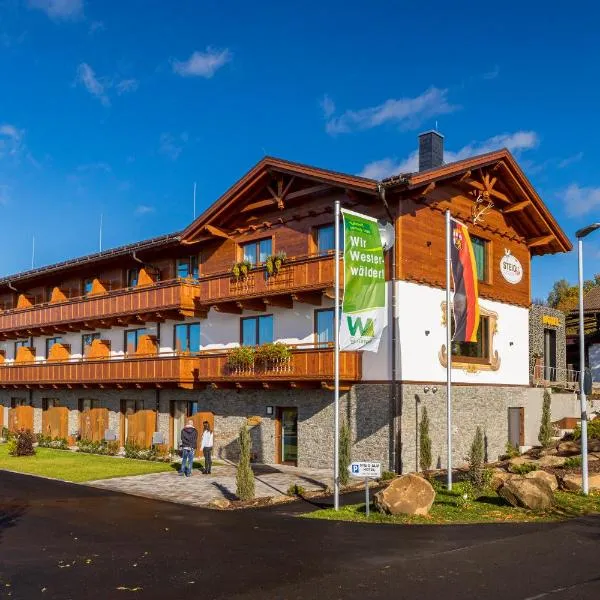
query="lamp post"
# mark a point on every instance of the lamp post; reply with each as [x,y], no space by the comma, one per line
[584,456]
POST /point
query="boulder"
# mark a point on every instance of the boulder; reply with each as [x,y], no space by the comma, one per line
[572,482]
[552,461]
[569,448]
[520,460]
[551,451]
[593,445]
[544,476]
[499,477]
[534,494]
[407,495]
[220,503]
[593,458]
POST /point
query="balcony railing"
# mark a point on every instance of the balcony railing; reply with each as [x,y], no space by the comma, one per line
[170,299]
[559,377]
[180,370]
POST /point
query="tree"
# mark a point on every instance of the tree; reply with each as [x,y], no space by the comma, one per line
[476,461]
[344,456]
[565,296]
[245,477]
[424,442]
[545,434]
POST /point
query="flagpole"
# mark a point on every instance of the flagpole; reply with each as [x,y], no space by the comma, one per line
[448,351]
[336,364]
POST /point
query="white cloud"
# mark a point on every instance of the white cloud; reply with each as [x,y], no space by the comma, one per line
[97,166]
[570,160]
[409,113]
[126,86]
[172,145]
[11,140]
[144,209]
[515,142]
[581,200]
[58,10]
[327,106]
[95,86]
[202,64]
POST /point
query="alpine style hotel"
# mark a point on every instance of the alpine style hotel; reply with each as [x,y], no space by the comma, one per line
[128,343]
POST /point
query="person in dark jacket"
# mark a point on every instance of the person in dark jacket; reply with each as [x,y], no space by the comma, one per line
[189,443]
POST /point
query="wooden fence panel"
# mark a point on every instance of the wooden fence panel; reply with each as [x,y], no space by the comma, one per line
[20,417]
[140,427]
[93,423]
[55,422]
[198,420]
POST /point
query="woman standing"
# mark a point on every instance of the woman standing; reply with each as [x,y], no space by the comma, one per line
[207,446]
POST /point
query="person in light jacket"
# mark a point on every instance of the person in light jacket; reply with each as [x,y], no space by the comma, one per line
[207,446]
[189,443]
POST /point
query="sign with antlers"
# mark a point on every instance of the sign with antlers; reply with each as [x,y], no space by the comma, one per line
[482,205]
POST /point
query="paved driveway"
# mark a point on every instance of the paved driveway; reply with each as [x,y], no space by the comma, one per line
[200,489]
[64,541]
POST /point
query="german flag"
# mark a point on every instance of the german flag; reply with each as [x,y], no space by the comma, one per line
[464,276]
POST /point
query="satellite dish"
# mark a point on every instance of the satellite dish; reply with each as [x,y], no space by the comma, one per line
[386,233]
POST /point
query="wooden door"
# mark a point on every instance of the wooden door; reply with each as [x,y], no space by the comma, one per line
[199,419]
[20,418]
[140,427]
[93,422]
[55,422]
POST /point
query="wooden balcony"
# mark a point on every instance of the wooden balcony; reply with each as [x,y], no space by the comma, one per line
[166,299]
[303,279]
[307,367]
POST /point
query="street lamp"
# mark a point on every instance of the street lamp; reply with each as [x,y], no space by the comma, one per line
[584,456]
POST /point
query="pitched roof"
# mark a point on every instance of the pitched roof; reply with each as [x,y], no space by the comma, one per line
[591,300]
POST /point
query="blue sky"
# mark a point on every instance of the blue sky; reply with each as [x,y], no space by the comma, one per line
[116,108]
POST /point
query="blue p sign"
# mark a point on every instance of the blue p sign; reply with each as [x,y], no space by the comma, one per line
[355,468]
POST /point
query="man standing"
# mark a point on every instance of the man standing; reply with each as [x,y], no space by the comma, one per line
[207,446]
[189,443]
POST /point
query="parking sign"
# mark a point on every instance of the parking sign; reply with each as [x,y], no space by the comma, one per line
[365,469]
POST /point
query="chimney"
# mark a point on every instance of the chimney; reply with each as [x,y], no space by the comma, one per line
[431,150]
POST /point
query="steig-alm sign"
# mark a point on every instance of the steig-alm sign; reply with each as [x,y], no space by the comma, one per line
[511,268]
[364,314]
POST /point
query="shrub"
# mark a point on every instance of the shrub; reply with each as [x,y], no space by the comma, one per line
[424,442]
[476,461]
[241,358]
[45,441]
[387,476]
[344,457]
[512,451]
[22,444]
[593,430]
[524,468]
[545,434]
[133,450]
[573,462]
[103,447]
[245,477]
[296,490]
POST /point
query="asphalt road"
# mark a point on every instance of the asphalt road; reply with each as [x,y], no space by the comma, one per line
[63,541]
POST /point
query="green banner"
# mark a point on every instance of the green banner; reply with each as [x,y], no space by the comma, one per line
[364,313]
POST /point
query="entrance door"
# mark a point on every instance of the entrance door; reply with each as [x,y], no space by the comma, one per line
[516,426]
[287,436]
[180,413]
[550,354]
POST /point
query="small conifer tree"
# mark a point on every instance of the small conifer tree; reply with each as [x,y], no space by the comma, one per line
[476,461]
[424,442]
[344,455]
[245,477]
[545,434]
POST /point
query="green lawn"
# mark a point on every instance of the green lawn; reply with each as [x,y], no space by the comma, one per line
[75,466]
[448,508]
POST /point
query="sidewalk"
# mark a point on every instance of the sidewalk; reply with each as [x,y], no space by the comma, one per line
[200,489]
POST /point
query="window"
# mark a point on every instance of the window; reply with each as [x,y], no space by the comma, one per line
[50,342]
[14,402]
[188,267]
[256,252]
[49,291]
[187,337]
[132,339]
[86,286]
[132,277]
[86,342]
[480,252]
[257,330]
[324,325]
[479,350]
[20,344]
[50,403]
[325,238]
[88,404]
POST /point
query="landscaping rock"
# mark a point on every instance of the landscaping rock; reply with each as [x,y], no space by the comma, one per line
[593,446]
[552,461]
[572,482]
[520,460]
[544,476]
[569,448]
[407,495]
[499,477]
[220,503]
[593,458]
[534,494]
[552,451]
